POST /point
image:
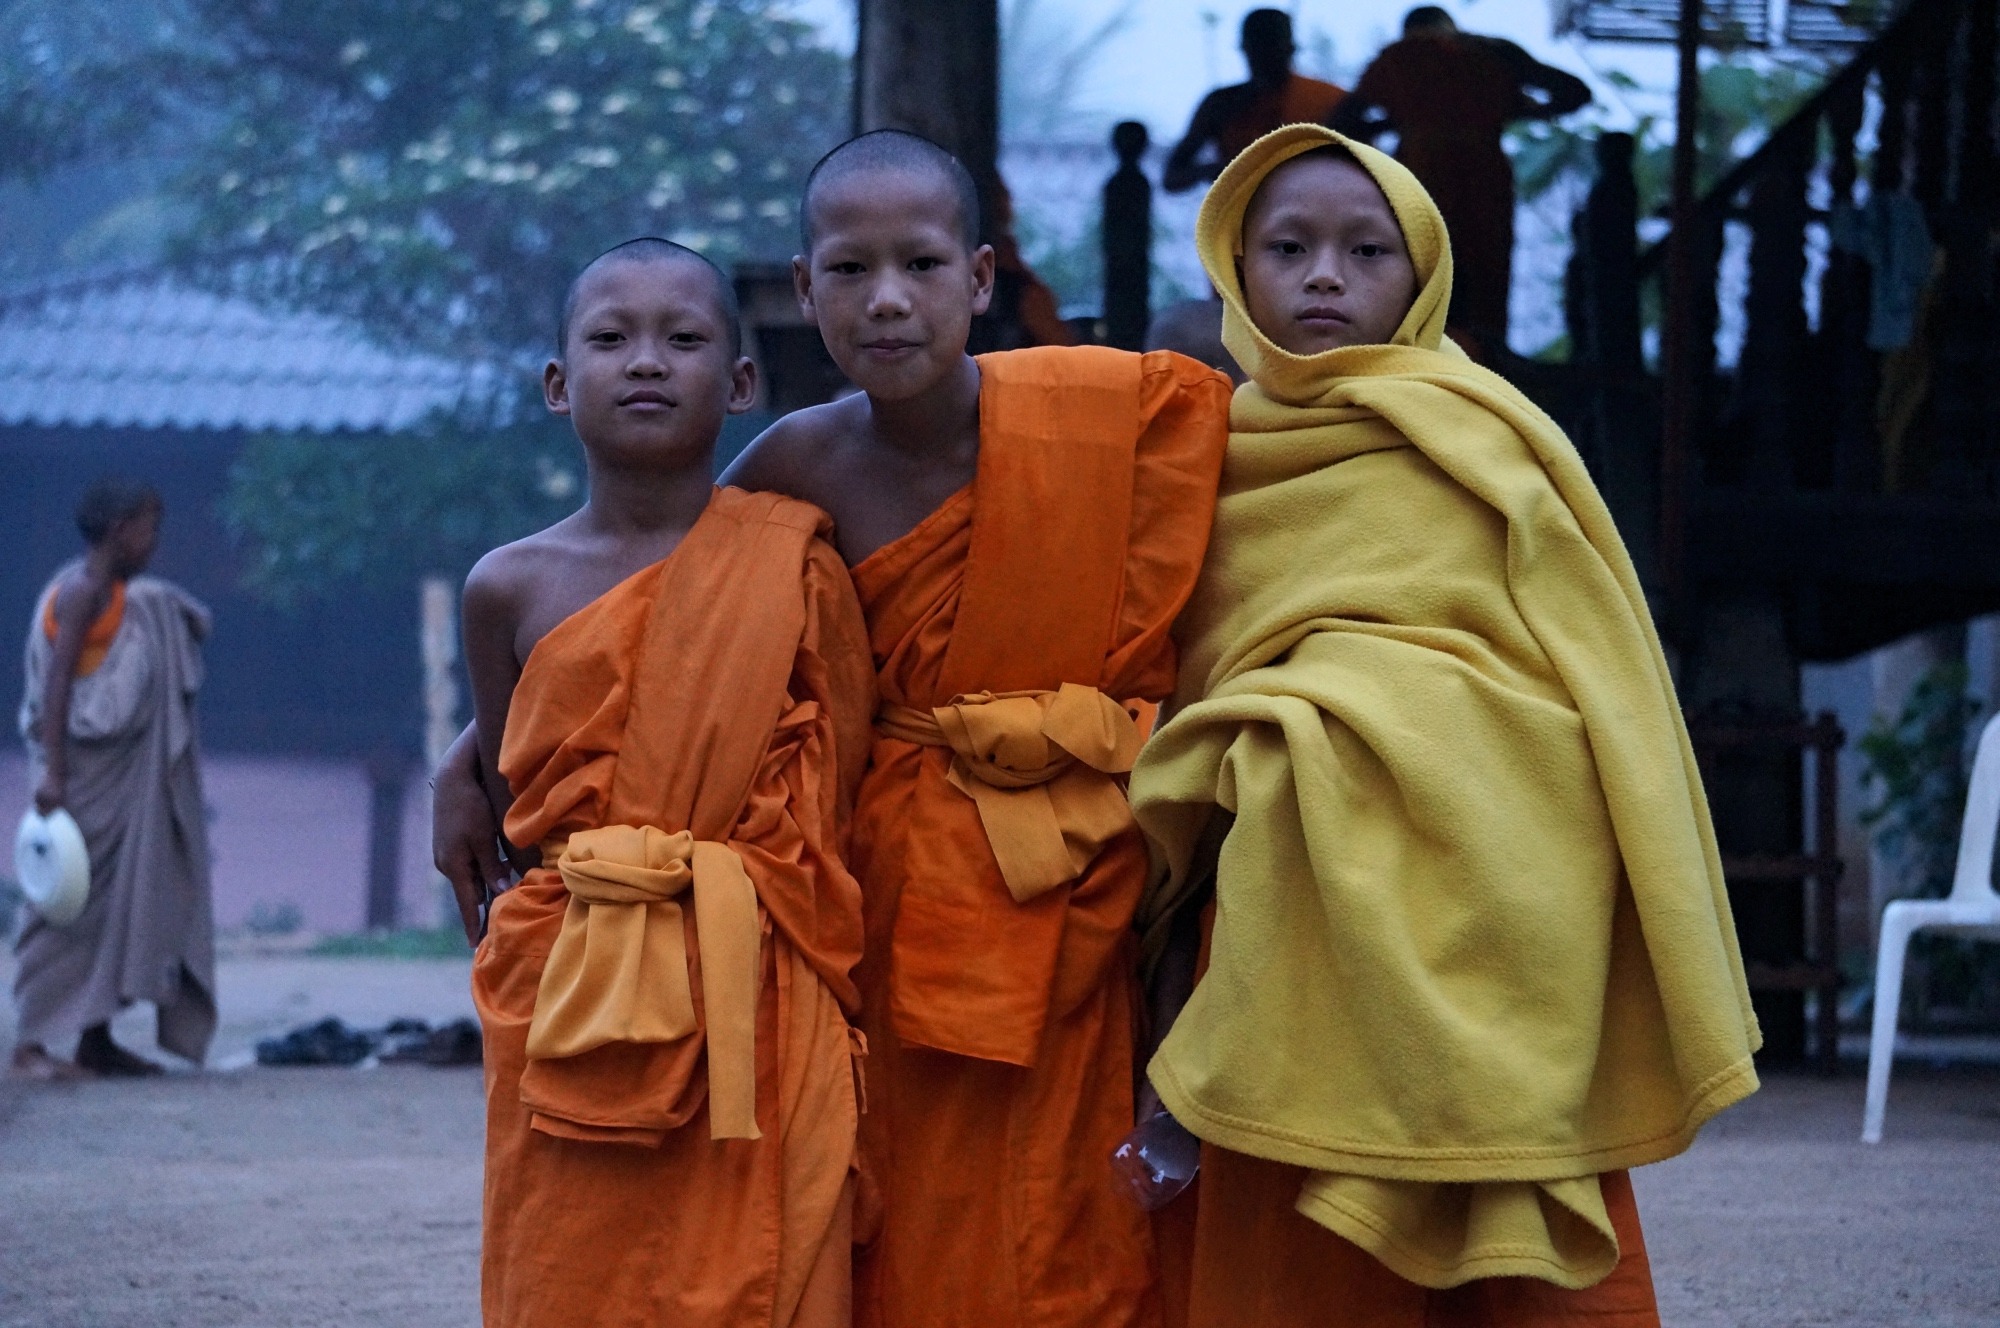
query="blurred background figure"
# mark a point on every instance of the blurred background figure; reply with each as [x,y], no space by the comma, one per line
[1449,96]
[1232,118]
[113,665]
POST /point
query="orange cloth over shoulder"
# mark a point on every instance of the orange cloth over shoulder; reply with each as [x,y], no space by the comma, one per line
[722,694]
[96,642]
[1300,100]
[999,1005]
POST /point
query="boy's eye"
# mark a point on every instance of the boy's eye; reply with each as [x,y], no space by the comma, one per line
[606,338]
[1289,248]
[925,264]
[1371,250]
[848,268]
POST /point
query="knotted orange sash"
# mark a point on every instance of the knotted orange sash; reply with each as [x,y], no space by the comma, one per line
[1039,765]
[618,972]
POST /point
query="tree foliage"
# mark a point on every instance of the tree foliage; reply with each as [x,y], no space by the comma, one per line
[316,513]
[439,169]
[1743,98]
[1914,771]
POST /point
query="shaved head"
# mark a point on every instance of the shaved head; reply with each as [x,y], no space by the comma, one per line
[653,249]
[1428,18]
[904,154]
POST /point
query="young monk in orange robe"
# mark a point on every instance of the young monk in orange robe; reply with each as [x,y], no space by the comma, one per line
[1023,529]
[673,684]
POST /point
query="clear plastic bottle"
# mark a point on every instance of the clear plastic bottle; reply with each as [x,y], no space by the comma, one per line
[1157,1160]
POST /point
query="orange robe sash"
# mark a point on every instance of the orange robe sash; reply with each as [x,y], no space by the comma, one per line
[1040,766]
[618,971]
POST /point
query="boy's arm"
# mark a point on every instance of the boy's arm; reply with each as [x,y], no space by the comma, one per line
[775,462]
[490,616]
[1184,169]
[465,834]
[1174,976]
[74,614]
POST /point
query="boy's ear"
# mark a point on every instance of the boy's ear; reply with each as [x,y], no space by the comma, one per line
[802,284]
[555,387]
[742,385]
[982,279]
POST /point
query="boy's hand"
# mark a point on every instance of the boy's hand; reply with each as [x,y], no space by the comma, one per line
[51,792]
[465,839]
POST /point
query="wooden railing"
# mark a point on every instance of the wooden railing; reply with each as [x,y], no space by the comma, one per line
[1834,388]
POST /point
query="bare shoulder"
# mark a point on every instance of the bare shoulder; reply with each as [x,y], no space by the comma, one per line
[799,456]
[80,597]
[504,586]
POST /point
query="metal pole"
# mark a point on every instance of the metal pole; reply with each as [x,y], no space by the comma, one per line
[1677,406]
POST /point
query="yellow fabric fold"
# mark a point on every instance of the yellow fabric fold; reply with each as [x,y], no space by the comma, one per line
[1440,1234]
[618,971]
[1039,765]
[1471,944]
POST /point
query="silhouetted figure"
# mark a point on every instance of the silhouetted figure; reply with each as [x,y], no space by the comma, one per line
[1024,311]
[1448,96]
[1127,233]
[1601,288]
[1231,119]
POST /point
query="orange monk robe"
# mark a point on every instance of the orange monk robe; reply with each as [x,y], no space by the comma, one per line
[1000,1033]
[724,691]
[1450,97]
[1235,1252]
[1254,112]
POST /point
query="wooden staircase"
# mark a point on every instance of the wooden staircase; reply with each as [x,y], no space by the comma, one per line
[1855,480]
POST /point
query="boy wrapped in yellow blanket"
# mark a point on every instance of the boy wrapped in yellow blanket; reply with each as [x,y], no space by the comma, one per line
[1471,954]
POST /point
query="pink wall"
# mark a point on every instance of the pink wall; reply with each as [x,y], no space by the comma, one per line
[288,831]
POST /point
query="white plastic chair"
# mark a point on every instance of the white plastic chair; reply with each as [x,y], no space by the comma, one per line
[1972,909]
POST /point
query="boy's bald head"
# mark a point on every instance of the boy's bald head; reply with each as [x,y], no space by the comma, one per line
[893,150]
[653,249]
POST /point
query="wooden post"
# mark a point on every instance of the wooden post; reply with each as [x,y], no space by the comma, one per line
[1678,403]
[1774,345]
[1127,234]
[1603,295]
[932,67]
[388,776]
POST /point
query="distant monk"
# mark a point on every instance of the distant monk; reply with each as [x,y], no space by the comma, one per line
[113,664]
[1231,119]
[1448,96]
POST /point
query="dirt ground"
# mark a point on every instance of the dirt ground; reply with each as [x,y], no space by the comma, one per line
[344,1197]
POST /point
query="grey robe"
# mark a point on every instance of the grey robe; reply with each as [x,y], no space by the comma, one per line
[148,932]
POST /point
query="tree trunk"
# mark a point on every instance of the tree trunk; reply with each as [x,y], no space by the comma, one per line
[438,598]
[932,67]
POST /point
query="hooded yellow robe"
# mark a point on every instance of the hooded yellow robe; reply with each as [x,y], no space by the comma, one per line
[1471,947]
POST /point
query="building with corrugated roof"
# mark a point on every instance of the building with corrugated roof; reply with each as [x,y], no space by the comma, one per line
[135,372]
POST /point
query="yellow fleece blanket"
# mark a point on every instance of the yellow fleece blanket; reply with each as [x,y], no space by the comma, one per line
[1471,942]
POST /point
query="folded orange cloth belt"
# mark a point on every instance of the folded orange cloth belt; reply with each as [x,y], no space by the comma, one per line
[1040,767]
[619,969]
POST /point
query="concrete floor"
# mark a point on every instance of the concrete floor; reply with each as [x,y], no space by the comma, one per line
[341,1197]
